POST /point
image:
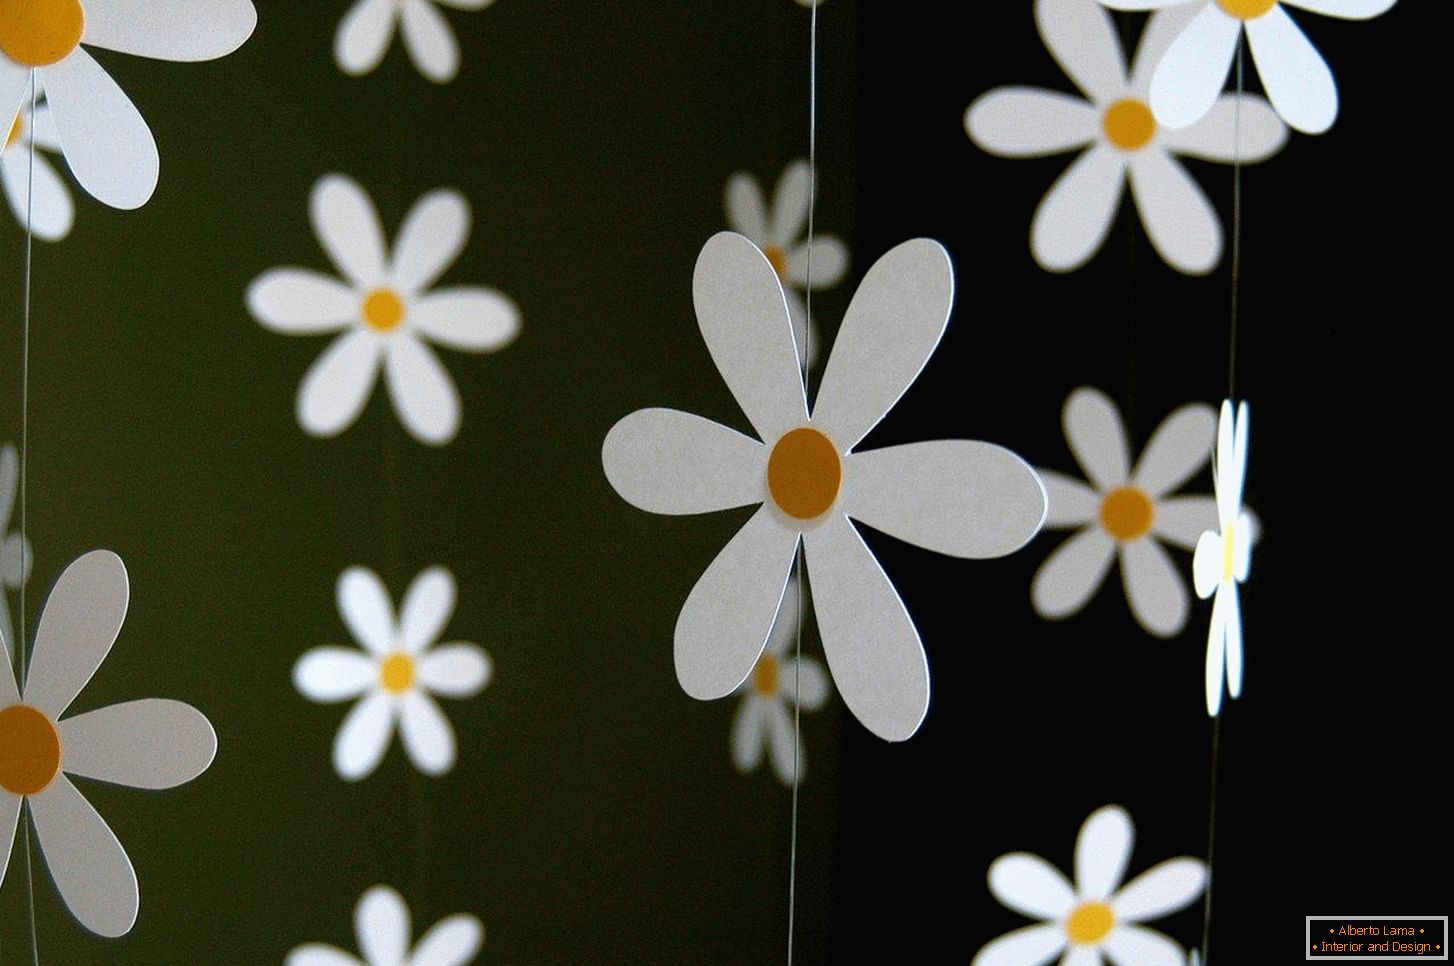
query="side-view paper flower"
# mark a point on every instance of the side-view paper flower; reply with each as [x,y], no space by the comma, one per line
[151,743]
[368,28]
[54,211]
[960,497]
[385,310]
[1093,920]
[15,553]
[104,139]
[397,675]
[1223,558]
[381,924]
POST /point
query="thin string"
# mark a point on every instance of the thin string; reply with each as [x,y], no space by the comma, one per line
[24,472]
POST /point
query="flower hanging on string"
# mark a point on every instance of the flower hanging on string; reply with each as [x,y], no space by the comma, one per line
[54,210]
[368,28]
[382,928]
[1223,558]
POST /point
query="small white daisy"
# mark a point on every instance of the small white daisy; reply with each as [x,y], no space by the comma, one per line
[1122,512]
[54,211]
[381,925]
[385,310]
[1093,920]
[1224,556]
[1122,142]
[1193,71]
[15,555]
[367,29]
[765,715]
[778,232]
[396,675]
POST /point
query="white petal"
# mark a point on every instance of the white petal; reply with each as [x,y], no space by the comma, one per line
[14,89]
[9,480]
[78,625]
[1246,534]
[1026,122]
[455,670]
[1030,946]
[1153,587]
[427,607]
[790,204]
[1190,77]
[1181,222]
[431,43]
[723,625]
[1083,956]
[1160,890]
[334,673]
[1072,219]
[1247,130]
[830,263]
[422,392]
[9,819]
[1228,470]
[1084,42]
[1028,884]
[1130,945]
[9,692]
[784,634]
[1179,448]
[348,228]
[1183,519]
[301,302]
[364,34]
[1206,564]
[1239,455]
[105,140]
[1216,654]
[472,319]
[666,461]
[805,330]
[151,743]
[872,648]
[1101,852]
[892,326]
[54,212]
[338,384]
[1294,74]
[1347,9]
[363,736]
[1233,613]
[1159,34]
[1071,575]
[749,735]
[381,921]
[364,604]
[43,128]
[787,753]
[1068,501]
[1097,438]
[317,954]
[182,30]
[960,497]
[427,735]
[86,862]
[452,941]
[431,238]
[811,682]
[746,212]
[744,320]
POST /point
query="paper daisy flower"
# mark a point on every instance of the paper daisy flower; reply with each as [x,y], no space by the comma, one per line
[104,139]
[367,30]
[1122,143]
[151,743]
[15,555]
[1223,558]
[381,922]
[960,497]
[765,714]
[397,675]
[778,231]
[385,311]
[1122,513]
[1193,70]
[1092,921]
[54,211]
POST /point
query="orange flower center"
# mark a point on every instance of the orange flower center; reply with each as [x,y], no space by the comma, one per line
[1127,513]
[383,310]
[765,676]
[804,473]
[1128,124]
[38,33]
[779,259]
[396,673]
[30,750]
[1246,9]
[1090,923]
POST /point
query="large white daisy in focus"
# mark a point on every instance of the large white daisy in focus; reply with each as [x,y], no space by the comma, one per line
[1224,557]
[367,29]
[1092,920]
[385,310]
[1121,142]
[104,139]
[381,925]
[54,210]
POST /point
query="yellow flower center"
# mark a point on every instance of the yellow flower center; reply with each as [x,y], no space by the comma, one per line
[383,310]
[1229,557]
[804,473]
[17,131]
[1127,513]
[765,676]
[30,750]
[1128,124]
[1246,9]
[1090,923]
[779,259]
[396,674]
[37,33]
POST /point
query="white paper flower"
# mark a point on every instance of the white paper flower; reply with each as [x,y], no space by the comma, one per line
[151,743]
[15,555]
[367,30]
[104,139]
[1122,513]
[765,715]
[54,211]
[1193,71]
[1122,141]
[1092,921]
[396,675]
[960,497]
[381,923]
[778,231]
[1223,558]
[385,310]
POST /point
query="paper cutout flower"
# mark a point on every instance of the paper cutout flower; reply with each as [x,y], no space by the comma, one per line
[765,715]
[1223,558]
[397,675]
[15,555]
[54,212]
[367,30]
[1122,143]
[1093,919]
[1122,513]
[960,497]
[381,922]
[385,310]
[104,139]
[151,743]
[1194,69]
[778,231]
